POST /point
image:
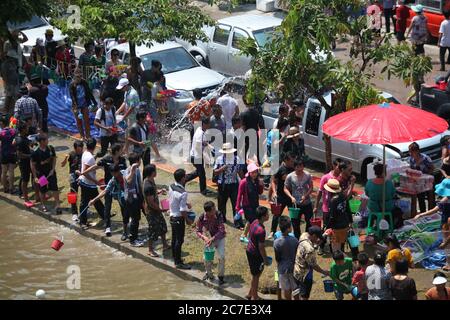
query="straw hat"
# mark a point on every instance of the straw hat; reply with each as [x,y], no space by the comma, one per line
[227,148]
[443,188]
[293,132]
[333,186]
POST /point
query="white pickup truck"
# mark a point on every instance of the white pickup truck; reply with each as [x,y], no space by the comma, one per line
[222,52]
[359,154]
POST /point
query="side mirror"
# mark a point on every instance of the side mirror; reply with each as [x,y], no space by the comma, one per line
[199,59]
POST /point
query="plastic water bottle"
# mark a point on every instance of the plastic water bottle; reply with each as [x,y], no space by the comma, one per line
[80,115]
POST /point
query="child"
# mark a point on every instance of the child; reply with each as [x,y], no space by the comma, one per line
[115,189]
[43,162]
[443,190]
[341,272]
[359,278]
[212,222]
[22,144]
[74,159]
[8,153]
[256,252]
[285,249]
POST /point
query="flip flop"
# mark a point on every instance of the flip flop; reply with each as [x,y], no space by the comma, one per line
[28,204]
[44,209]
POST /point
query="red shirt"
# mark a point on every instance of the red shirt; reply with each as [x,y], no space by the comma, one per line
[402,14]
[256,235]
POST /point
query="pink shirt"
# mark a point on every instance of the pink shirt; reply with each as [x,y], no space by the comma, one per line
[325,194]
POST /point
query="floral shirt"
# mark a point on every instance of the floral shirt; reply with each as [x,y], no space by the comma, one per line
[424,165]
[197,110]
[230,175]
[305,258]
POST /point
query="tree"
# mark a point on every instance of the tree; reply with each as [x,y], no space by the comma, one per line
[298,60]
[138,21]
[17,11]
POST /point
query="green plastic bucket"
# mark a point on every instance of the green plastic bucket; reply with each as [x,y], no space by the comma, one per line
[209,253]
[294,213]
[354,205]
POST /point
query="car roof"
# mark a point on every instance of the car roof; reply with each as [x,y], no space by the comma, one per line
[251,22]
[143,49]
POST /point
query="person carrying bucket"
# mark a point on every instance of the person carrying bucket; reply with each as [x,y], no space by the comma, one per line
[340,215]
[298,187]
[285,248]
[74,159]
[43,162]
[306,262]
[443,206]
[212,222]
[341,272]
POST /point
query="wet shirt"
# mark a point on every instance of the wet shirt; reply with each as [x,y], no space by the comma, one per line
[230,175]
[214,226]
[280,177]
[424,165]
[107,162]
[74,161]
[299,186]
[43,160]
[343,273]
[285,249]
[257,235]
[23,146]
[198,110]
[340,216]
[7,137]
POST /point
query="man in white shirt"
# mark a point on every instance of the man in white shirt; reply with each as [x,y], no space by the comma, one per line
[105,120]
[444,40]
[179,208]
[229,106]
[198,145]
[88,184]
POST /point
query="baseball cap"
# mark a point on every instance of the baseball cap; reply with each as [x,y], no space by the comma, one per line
[122,83]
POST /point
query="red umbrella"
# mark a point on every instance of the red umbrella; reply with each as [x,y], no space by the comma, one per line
[383,124]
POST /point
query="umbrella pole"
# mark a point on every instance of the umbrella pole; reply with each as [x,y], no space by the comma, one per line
[383,204]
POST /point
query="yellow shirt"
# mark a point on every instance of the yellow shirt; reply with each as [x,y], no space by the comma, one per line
[396,255]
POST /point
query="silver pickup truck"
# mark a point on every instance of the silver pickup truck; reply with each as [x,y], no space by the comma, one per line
[222,52]
[359,154]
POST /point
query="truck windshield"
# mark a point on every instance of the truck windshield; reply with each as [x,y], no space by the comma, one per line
[172,60]
[34,22]
[263,36]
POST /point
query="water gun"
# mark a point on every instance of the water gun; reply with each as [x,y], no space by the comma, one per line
[12,122]
[168,93]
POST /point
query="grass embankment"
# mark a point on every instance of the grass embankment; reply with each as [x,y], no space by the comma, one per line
[236,269]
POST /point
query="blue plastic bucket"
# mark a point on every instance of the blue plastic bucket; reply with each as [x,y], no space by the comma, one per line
[353,241]
[328,285]
[354,292]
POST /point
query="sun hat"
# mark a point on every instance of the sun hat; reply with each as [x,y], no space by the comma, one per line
[227,148]
[122,83]
[252,167]
[443,188]
[439,280]
[333,186]
[417,9]
[60,43]
[293,132]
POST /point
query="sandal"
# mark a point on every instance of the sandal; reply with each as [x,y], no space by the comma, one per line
[153,254]
[44,209]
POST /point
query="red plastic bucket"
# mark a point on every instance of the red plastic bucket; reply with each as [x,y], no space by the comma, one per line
[72,198]
[276,209]
[442,85]
[316,222]
[165,205]
[102,184]
[57,244]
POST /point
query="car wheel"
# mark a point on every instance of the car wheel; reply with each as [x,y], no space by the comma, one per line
[202,60]
[444,112]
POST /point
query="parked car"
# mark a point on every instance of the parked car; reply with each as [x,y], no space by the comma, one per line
[34,28]
[359,154]
[182,71]
[222,52]
[434,98]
